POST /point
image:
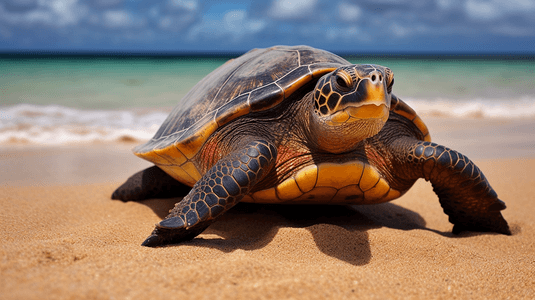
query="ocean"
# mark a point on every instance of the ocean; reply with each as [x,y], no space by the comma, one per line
[61,99]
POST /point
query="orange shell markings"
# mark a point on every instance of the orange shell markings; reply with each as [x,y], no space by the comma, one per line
[378,191]
[306,178]
[180,174]
[352,182]
[288,190]
[193,144]
[339,175]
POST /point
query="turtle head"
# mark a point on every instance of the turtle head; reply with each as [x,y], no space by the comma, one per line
[351,103]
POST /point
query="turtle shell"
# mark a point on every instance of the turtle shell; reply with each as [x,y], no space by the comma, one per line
[256,81]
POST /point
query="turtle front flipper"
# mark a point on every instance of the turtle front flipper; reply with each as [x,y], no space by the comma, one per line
[150,183]
[463,191]
[222,187]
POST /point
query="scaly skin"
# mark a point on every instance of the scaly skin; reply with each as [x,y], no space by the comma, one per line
[463,191]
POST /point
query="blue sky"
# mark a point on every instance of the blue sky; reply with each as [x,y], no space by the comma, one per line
[370,26]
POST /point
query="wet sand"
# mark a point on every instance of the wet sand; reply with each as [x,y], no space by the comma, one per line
[63,238]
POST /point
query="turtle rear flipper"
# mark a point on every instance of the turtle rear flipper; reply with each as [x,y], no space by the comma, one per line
[150,183]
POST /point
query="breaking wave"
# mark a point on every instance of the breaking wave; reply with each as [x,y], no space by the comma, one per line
[479,108]
[54,124]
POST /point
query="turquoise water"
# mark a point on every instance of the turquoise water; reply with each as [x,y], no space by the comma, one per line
[104,82]
[65,99]
[101,82]
[497,78]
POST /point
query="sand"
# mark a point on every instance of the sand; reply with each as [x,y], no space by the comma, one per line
[63,238]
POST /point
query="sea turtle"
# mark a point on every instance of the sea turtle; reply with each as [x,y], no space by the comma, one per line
[299,125]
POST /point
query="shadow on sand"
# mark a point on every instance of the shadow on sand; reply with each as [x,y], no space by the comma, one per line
[338,231]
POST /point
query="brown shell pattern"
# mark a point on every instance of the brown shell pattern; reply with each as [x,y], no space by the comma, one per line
[255,81]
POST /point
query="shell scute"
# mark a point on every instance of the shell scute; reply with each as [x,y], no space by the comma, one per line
[195,136]
[170,153]
[309,56]
[232,110]
[266,98]
[295,79]
[320,69]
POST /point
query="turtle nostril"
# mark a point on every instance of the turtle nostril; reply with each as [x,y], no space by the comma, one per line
[376,77]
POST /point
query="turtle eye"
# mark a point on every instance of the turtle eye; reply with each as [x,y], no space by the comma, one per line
[343,81]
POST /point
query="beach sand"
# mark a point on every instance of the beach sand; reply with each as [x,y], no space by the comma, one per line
[64,238]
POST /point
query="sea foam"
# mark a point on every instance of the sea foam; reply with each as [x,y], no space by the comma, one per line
[523,107]
[54,124]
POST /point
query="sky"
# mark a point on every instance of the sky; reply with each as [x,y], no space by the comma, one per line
[343,26]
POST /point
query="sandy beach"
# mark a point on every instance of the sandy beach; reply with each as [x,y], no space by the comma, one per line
[64,238]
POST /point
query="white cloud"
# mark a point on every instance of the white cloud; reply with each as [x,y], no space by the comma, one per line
[165,22]
[349,12]
[233,20]
[234,26]
[57,13]
[525,6]
[447,4]
[255,26]
[175,23]
[399,30]
[297,21]
[394,1]
[406,30]
[106,3]
[350,33]
[174,15]
[482,10]
[117,19]
[188,5]
[38,16]
[238,23]
[66,12]
[492,10]
[292,9]
[154,12]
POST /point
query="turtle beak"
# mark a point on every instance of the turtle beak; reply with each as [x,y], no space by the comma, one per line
[372,90]
[370,101]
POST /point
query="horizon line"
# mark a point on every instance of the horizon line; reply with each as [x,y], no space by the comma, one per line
[231,54]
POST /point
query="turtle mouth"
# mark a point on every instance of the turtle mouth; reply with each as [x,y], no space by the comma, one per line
[364,112]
